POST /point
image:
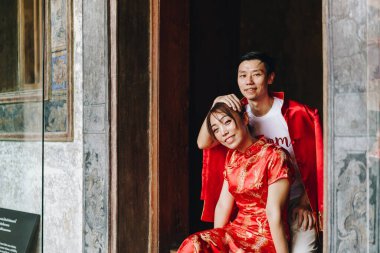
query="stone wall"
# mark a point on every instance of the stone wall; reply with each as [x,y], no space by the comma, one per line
[96,126]
[67,182]
[47,177]
[353,35]
[63,166]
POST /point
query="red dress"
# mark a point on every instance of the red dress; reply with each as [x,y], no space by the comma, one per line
[248,174]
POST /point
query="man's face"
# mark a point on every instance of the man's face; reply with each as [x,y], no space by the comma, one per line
[253,80]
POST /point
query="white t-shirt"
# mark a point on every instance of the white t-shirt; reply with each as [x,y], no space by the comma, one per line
[273,126]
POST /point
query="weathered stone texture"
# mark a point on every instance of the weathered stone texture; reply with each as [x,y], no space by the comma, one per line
[353,167]
[63,167]
[95,49]
[350,73]
[350,118]
[95,117]
[96,198]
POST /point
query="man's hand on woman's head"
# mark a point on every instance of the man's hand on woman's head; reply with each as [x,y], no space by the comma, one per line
[231,100]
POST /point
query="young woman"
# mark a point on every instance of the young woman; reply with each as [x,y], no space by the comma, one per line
[256,178]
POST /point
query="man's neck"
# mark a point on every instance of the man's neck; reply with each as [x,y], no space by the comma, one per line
[262,106]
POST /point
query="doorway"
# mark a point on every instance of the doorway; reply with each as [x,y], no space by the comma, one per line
[220,32]
[173,58]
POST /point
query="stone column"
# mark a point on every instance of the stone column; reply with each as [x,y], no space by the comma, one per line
[96,125]
[352,60]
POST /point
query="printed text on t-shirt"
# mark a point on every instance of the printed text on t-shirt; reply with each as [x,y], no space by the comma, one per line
[282,141]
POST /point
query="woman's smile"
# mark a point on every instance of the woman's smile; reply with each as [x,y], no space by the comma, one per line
[229,139]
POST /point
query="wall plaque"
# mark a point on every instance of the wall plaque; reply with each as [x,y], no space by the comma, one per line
[17,231]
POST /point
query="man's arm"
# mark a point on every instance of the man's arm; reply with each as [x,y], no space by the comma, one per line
[224,207]
[205,140]
[277,196]
[303,212]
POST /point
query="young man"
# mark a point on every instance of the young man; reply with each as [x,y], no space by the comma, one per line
[293,126]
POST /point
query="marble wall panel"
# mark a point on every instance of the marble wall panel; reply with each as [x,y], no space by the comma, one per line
[21,176]
[352,9]
[94,119]
[351,41]
[353,163]
[96,199]
[63,167]
[95,51]
[373,107]
[351,196]
[348,45]
[95,116]
[63,196]
[350,73]
[22,165]
[348,193]
[350,118]
[373,204]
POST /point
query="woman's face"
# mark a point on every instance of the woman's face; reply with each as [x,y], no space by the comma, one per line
[230,133]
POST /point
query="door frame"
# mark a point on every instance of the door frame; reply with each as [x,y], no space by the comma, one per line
[158,12]
[167,120]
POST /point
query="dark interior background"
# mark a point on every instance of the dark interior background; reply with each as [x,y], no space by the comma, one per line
[220,32]
[8,46]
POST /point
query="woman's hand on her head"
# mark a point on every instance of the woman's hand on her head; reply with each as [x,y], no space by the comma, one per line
[231,100]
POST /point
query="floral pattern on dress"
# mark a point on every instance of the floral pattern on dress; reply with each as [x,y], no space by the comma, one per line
[249,175]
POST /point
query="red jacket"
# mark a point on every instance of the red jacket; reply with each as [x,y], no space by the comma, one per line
[306,134]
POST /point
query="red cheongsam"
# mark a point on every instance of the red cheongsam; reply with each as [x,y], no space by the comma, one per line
[248,174]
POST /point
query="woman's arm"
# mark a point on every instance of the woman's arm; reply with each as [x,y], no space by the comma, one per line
[223,207]
[277,196]
[205,140]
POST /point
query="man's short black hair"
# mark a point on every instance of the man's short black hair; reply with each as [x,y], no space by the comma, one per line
[263,57]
